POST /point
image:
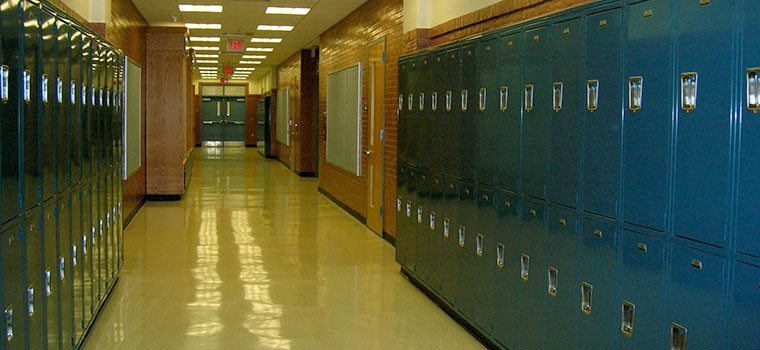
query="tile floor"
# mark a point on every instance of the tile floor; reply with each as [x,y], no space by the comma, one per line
[254,257]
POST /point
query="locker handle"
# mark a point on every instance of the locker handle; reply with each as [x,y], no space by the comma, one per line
[446,226]
[84,244]
[689,91]
[528,98]
[448,100]
[508,204]
[73,97]
[635,91]
[462,232]
[563,222]
[30,300]
[84,94]
[48,283]
[434,101]
[92,96]
[398,205]
[592,95]
[479,238]
[552,287]
[408,209]
[410,102]
[9,323]
[677,337]
[61,268]
[228,108]
[74,255]
[59,90]
[44,82]
[419,214]
[4,81]
[432,221]
[533,212]
[753,89]
[629,312]
[587,292]
[499,255]
[421,101]
[27,86]
[557,96]
[400,102]
[524,267]
[464,100]
[482,99]
[503,98]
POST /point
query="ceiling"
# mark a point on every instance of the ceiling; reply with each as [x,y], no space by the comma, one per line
[239,20]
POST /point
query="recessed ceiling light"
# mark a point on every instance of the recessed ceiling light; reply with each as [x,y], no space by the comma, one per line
[200,8]
[259,49]
[274,28]
[250,62]
[253,57]
[212,39]
[203,26]
[205,48]
[206,68]
[245,68]
[206,55]
[266,40]
[273,10]
[207,61]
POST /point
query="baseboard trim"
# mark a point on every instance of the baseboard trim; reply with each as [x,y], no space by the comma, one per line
[343,206]
[389,238]
[163,197]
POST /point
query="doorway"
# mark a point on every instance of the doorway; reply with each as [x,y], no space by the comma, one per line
[223,115]
[375,151]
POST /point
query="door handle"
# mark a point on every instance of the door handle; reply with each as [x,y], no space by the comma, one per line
[208,122]
[228,108]
[367,151]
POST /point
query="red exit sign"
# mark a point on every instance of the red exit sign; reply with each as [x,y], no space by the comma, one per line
[235,45]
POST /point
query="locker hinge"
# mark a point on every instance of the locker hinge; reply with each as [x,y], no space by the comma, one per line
[382,134]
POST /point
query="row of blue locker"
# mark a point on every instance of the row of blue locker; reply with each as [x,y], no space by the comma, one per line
[61,90]
[528,274]
[61,175]
[642,112]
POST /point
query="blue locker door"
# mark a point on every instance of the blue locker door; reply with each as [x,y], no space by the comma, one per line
[642,277]
[420,228]
[66,273]
[96,100]
[86,236]
[532,288]
[450,87]
[561,293]
[507,270]
[422,108]
[34,290]
[50,290]
[435,231]
[408,242]
[599,305]
[96,235]
[536,92]
[696,297]
[508,96]
[401,195]
[47,105]
[488,113]
[703,135]
[438,130]
[604,83]
[749,159]
[412,109]
[32,181]
[464,258]
[9,124]
[467,96]
[484,260]
[744,325]
[76,100]
[78,250]
[567,51]
[12,296]
[449,246]
[648,116]
[403,68]
[63,103]
[85,117]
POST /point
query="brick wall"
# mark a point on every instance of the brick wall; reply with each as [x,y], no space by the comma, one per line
[343,45]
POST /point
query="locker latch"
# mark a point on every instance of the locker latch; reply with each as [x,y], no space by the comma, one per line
[410,102]
[30,300]
[461,236]
[432,221]
[422,101]
[4,81]
[689,91]
[48,283]
[635,91]
[27,86]
[528,98]
[446,226]
[44,82]
[59,90]
[524,267]
[9,323]
[400,101]
[482,99]
[557,96]
[464,100]
[73,92]
[677,337]
[753,90]
[552,276]
[587,291]
[448,100]
[503,98]
[629,311]
[479,238]
[592,95]
[434,101]
[499,255]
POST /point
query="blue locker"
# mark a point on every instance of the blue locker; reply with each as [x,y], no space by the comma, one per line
[451,87]
[748,197]
[434,232]
[506,269]
[744,324]
[648,116]
[597,283]
[464,257]
[76,100]
[422,110]
[603,118]
[449,247]
[438,130]
[483,256]
[536,92]
[65,270]
[63,103]
[78,253]
[401,195]
[642,278]
[509,104]
[12,283]
[10,128]
[30,94]
[412,110]
[86,109]
[468,127]
[704,121]
[47,101]
[420,228]
[533,264]
[408,242]
[50,288]
[86,235]
[403,91]
[560,297]
[96,241]
[34,290]
[696,301]
[567,51]
[488,113]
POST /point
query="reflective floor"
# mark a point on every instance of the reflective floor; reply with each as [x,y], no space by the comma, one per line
[254,257]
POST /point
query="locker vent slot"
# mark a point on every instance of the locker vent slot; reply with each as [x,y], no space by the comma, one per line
[464,100]
[629,311]
[461,236]
[479,244]
[677,337]
[432,221]
[446,228]
[524,267]
[434,101]
[503,98]
[528,98]
[4,81]
[587,291]
[753,89]
[635,90]
[9,323]
[448,100]
[592,95]
[500,255]
[552,287]
[482,99]
[689,91]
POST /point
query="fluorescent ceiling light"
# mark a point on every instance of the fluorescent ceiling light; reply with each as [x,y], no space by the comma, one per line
[205,48]
[273,10]
[236,78]
[250,62]
[266,40]
[274,28]
[207,68]
[245,68]
[207,61]
[203,26]
[259,49]
[253,57]
[211,39]
[206,55]
[200,8]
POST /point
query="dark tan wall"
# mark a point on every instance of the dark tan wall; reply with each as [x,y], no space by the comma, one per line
[343,45]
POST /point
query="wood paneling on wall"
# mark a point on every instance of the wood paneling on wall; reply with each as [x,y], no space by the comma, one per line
[251,122]
[345,44]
